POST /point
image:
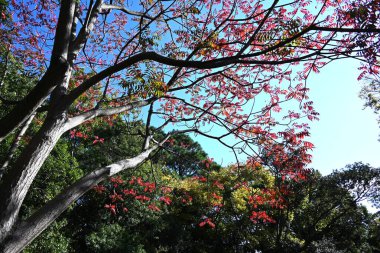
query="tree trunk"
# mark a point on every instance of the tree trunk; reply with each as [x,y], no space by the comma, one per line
[33,100]
[17,180]
[53,77]
[25,232]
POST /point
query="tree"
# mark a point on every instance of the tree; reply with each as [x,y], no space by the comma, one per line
[46,186]
[185,157]
[177,65]
[219,210]
[241,210]
[370,93]
[326,215]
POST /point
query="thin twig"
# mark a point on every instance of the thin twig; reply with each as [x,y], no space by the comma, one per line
[16,143]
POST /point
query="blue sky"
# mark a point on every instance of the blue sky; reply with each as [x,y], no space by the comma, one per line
[345,132]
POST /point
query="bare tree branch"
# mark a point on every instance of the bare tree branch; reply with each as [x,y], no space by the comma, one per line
[16,143]
[85,31]
[348,30]
[125,10]
[79,119]
[147,128]
[63,32]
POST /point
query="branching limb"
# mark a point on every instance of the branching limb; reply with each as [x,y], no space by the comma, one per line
[85,31]
[211,64]
[263,21]
[16,144]
[63,32]
[79,119]
[348,30]
[40,220]
[125,10]
[148,136]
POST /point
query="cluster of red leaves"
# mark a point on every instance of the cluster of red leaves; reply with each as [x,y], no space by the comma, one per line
[288,158]
[261,216]
[98,140]
[121,194]
[79,135]
[267,197]
[207,221]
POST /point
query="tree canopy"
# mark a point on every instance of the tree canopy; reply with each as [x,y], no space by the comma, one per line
[227,70]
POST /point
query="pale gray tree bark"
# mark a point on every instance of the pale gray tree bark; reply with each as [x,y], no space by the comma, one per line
[27,230]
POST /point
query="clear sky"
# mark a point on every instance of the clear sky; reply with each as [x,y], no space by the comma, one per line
[345,132]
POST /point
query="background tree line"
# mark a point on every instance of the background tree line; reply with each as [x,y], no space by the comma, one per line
[321,214]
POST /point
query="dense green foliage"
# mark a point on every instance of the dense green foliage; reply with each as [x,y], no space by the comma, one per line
[322,214]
